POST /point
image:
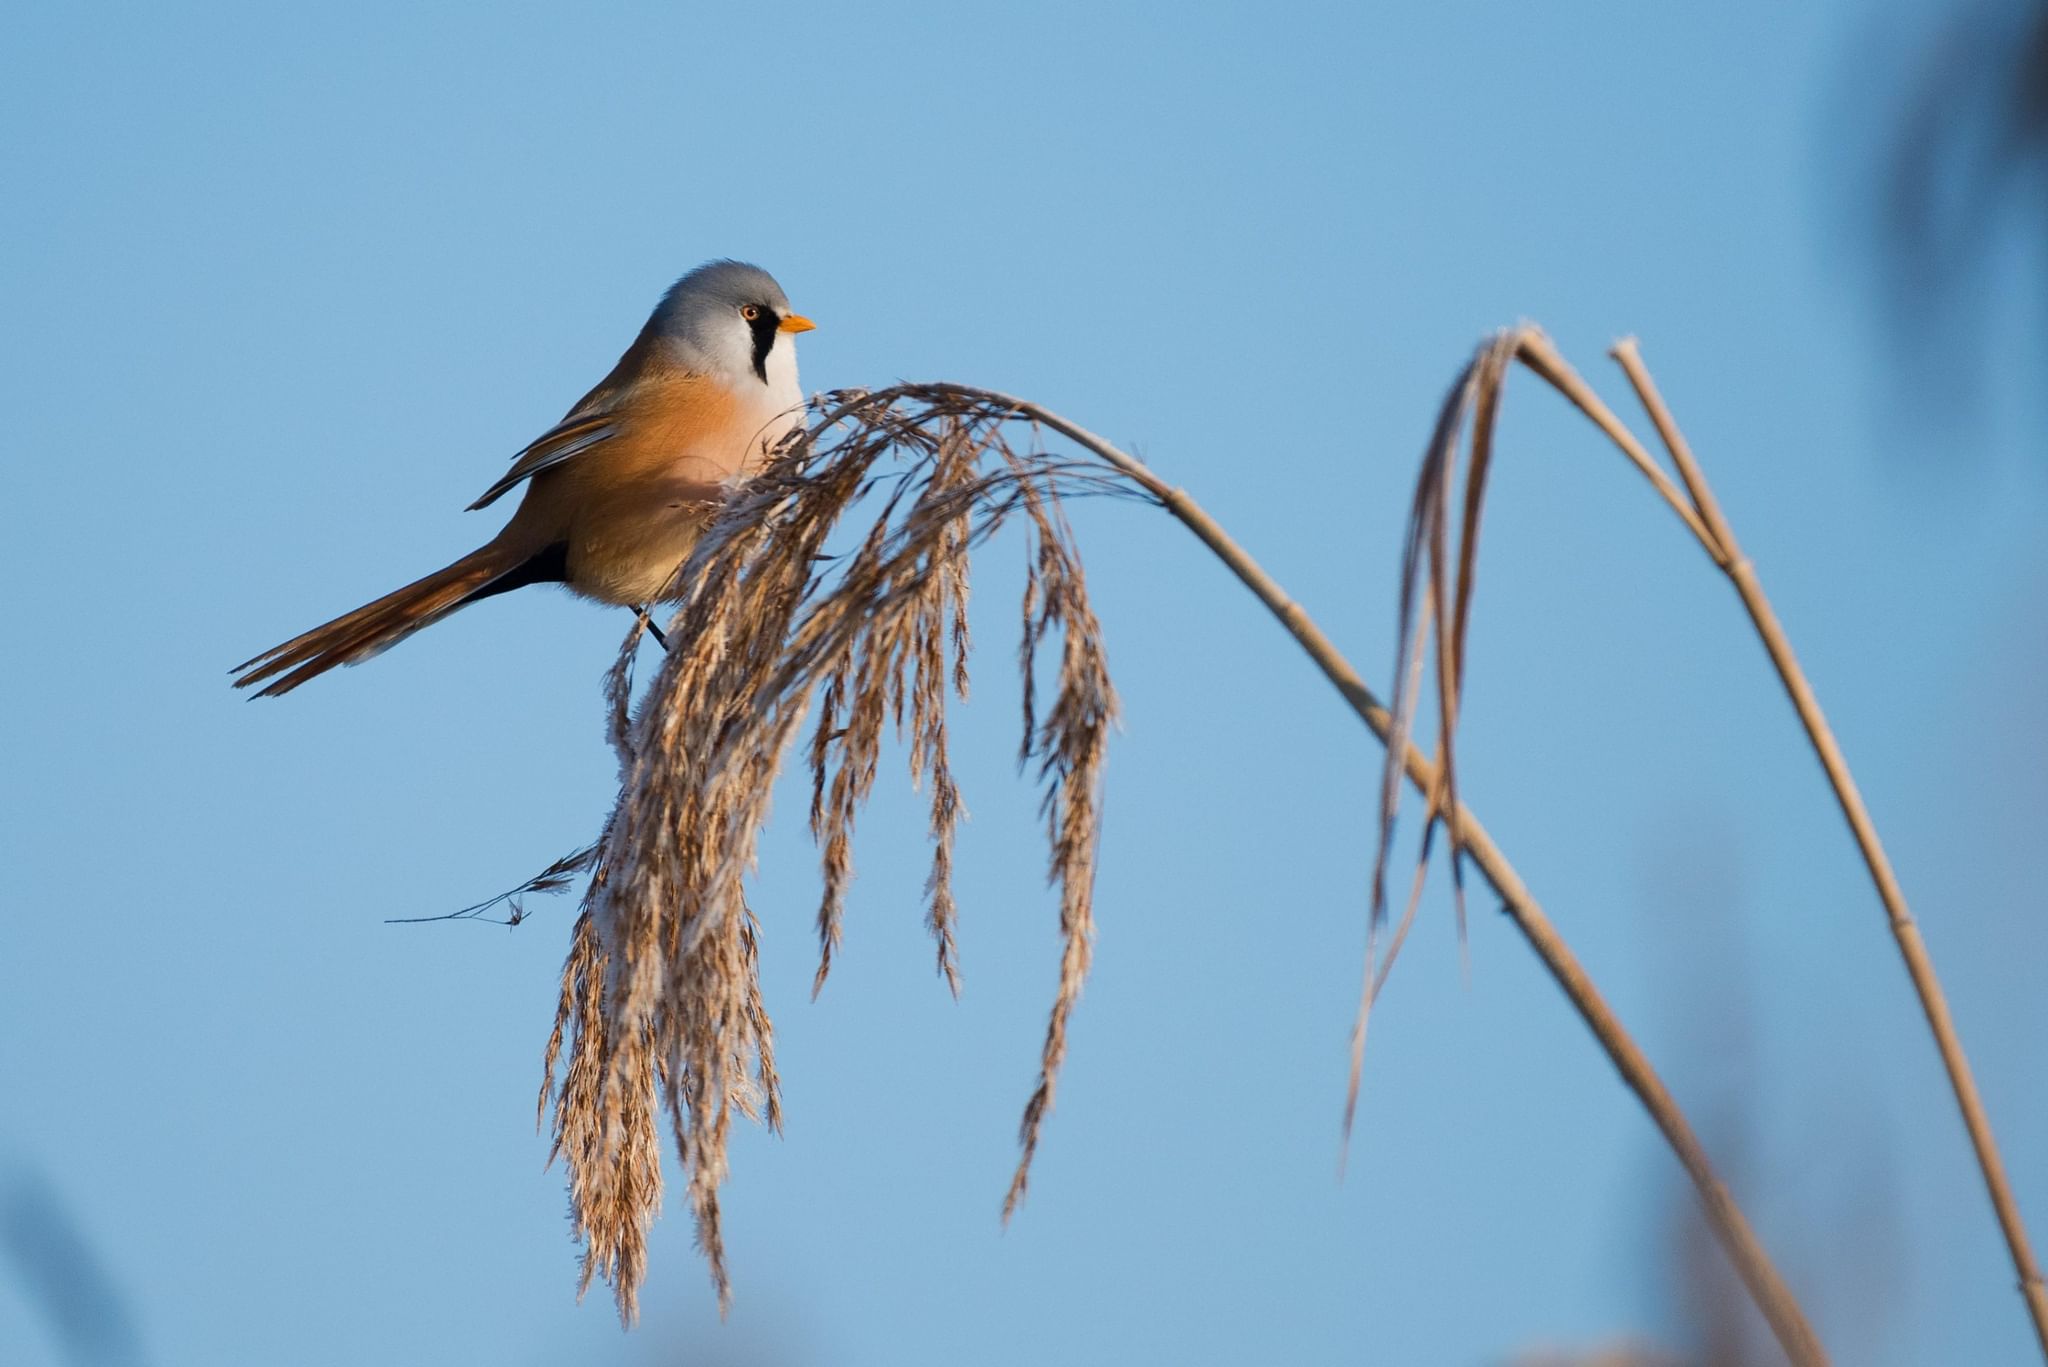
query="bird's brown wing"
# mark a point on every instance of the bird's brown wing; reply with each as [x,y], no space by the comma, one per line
[591,422]
[573,435]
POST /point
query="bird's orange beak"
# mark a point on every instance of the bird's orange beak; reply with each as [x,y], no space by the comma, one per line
[796,322]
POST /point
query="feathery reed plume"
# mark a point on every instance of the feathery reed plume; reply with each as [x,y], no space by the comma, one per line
[661,1008]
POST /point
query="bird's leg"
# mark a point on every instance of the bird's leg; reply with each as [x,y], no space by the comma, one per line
[647,621]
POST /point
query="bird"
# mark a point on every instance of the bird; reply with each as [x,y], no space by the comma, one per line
[617,491]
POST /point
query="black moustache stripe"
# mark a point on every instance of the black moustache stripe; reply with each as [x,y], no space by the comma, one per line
[765,324]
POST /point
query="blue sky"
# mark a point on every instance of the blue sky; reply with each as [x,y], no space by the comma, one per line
[283,289]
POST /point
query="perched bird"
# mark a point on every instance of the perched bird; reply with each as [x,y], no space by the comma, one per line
[617,491]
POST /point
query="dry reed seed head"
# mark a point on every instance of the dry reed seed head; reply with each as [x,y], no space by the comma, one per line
[661,1005]
[1071,744]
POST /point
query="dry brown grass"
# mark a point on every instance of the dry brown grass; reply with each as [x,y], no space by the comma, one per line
[661,1010]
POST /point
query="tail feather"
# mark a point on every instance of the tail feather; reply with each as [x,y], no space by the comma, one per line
[375,627]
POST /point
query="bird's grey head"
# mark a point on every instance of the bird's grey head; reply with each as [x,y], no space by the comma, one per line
[730,319]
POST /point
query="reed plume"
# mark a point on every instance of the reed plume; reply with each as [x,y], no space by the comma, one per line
[660,1010]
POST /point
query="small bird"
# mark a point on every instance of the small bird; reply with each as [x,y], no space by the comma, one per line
[617,491]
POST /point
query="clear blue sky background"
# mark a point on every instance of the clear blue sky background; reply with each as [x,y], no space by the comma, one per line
[283,290]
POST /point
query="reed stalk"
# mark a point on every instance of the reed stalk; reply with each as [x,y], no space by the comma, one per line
[1717,538]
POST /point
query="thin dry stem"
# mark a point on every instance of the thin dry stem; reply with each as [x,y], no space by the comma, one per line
[1535,351]
[1742,574]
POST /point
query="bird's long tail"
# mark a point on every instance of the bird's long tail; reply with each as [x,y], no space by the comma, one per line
[378,626]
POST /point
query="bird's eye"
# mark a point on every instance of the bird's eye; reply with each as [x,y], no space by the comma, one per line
[750,312]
